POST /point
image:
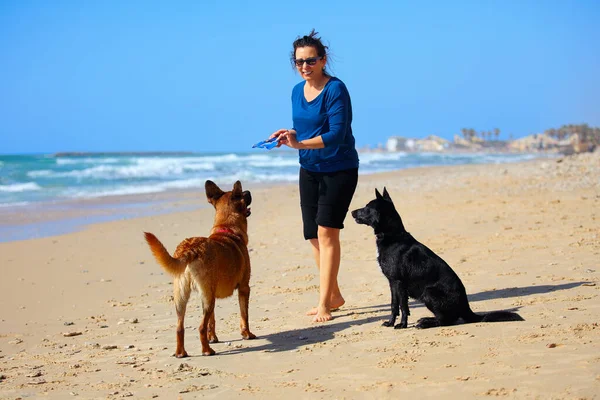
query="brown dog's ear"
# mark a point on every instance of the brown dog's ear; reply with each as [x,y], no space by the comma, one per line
[377,194]
[237,189]
[247,197]
[213,192]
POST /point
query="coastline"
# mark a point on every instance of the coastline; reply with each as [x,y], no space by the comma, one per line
[61,216]
[521,236]
[46,219]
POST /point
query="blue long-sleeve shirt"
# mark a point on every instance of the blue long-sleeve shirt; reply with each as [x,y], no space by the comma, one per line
[329,115]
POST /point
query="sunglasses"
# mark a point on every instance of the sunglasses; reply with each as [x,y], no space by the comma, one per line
[310,61]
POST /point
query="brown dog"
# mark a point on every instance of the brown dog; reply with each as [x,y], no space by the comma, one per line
[215,266]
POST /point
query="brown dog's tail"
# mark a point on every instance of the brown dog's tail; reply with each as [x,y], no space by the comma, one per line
[172,265]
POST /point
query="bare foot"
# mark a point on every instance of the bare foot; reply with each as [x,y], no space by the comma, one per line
[322,315]
[335,304]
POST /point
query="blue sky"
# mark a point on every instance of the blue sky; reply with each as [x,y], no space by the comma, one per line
[215,75]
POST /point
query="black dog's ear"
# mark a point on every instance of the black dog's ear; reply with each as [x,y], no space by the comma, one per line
[386,195]
[213,192]
[377,194]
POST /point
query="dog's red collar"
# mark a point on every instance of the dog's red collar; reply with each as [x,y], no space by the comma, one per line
[224,230]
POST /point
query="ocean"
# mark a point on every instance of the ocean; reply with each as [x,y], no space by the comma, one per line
[46,195]
[46,178]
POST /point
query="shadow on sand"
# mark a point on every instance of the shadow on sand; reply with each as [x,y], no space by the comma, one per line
[297,338]
[492,294]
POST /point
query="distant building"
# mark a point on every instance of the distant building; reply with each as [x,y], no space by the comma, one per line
[399,143]
[430,143]
[462,143]
[535,142]
[395,143]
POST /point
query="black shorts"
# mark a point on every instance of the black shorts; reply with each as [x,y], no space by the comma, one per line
[325,198]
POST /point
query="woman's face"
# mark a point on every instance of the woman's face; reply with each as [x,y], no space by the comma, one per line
[309,56]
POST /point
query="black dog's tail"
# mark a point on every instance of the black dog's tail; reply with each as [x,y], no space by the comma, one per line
[493,316]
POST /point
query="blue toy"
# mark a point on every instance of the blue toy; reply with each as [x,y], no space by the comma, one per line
[267,144]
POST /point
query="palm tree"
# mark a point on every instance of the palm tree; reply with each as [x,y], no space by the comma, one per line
[472,133]
[497,133]
[561,133]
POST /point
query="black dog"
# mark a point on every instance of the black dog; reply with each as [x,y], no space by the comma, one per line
[414,270]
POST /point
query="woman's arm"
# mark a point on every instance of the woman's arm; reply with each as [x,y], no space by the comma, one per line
[313,143]
[339,115]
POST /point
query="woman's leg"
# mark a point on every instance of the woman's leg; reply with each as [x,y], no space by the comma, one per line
[329,266]
[336,300]
[324,200]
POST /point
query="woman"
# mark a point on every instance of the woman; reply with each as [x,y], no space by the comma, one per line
[322,132]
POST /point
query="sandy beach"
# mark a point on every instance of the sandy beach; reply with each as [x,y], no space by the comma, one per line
[89,314]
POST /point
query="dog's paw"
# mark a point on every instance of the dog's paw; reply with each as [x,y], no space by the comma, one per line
[248,335]
[182,354]
[213,339]
[427,322]
[208,352]
[401,325]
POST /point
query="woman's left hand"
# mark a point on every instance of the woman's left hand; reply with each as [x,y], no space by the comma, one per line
[289,139]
